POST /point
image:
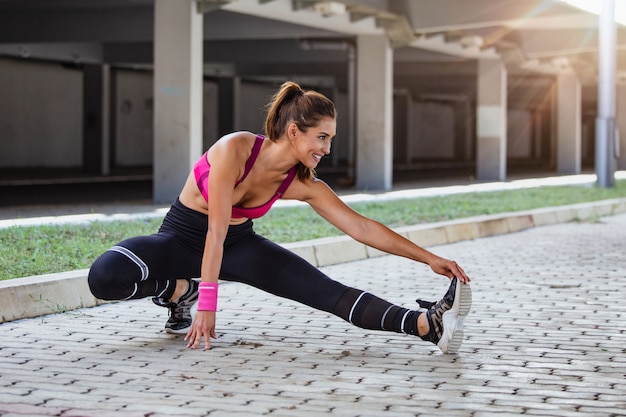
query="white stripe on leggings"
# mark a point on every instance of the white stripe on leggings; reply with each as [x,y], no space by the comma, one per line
[404,318]
[136,259]
[167,285]
[382,321]
[134,292]
[354,306]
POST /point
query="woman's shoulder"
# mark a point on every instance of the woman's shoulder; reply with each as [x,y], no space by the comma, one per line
[234,143]
[240,138]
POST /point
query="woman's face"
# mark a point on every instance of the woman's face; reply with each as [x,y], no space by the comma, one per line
[315,143]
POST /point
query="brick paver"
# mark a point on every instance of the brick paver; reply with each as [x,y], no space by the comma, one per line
[545,338]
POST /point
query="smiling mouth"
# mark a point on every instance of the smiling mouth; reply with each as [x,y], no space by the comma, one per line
[317,157]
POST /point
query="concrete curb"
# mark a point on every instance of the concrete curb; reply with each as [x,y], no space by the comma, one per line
[45,294]
[55,293]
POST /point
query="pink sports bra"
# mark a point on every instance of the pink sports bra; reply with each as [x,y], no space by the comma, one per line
[201,171]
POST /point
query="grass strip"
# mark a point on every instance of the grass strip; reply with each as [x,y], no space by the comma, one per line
[36,250]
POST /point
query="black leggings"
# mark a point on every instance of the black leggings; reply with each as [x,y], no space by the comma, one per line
[150,265]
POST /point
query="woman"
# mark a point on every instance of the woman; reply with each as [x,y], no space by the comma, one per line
[208,234]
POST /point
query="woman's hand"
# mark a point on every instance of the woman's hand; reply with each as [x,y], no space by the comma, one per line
[450,269]
[203,326]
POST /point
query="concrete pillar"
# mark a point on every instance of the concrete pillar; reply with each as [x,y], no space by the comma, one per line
[491,125]
[374,118]
[621,126]
[96,111]
[228,93]
[569,124]
[605,120]
[178,64]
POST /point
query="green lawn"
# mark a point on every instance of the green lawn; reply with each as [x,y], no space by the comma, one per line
[36,250]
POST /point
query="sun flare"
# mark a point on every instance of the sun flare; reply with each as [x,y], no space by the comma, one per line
[595,6]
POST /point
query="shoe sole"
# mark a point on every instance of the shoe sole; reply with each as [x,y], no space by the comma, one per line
[179,331]
[453,319]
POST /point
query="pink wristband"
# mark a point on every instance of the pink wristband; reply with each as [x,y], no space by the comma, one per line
[207,299]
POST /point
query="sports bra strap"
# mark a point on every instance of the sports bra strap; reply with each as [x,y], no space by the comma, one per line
[283,187]
[256,149]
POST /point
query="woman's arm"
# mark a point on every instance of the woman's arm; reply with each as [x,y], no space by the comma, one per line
[370,232]
[226,158]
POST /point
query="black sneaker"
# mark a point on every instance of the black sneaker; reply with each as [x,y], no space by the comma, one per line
[446,317]
[180,318]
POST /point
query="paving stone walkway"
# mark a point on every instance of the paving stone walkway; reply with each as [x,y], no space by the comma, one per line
[546,337]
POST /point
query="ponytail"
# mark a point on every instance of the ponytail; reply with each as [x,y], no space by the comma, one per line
[305,108]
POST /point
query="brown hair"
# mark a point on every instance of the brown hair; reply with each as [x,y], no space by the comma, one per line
[305,108]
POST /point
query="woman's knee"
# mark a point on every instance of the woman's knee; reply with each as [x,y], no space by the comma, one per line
[107,277]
